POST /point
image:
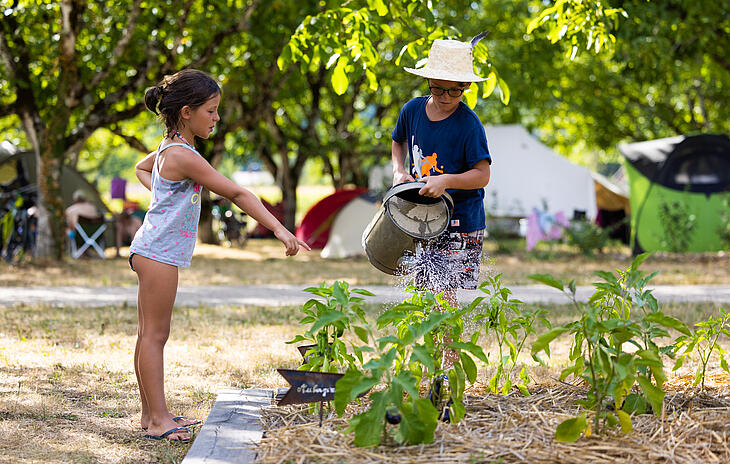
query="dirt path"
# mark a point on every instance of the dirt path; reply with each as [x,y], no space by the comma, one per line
[283,295]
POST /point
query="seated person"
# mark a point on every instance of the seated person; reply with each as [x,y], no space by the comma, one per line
[81,207]
[127,225]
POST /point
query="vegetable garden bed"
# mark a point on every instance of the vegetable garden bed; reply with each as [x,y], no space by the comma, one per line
[693,427]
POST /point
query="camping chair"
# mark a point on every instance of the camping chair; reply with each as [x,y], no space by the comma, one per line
[89,234]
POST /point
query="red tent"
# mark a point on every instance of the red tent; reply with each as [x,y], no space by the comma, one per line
[315,226]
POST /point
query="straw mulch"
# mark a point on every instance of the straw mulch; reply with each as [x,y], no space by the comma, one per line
[693,428]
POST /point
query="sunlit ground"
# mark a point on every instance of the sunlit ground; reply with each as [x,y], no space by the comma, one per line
[68,391]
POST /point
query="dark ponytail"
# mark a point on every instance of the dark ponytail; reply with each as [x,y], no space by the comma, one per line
[188,87]
[152,97]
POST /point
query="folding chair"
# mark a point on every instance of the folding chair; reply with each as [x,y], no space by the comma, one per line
[89,234]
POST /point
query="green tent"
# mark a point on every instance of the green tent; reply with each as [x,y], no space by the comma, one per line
[679,189]
[18,175]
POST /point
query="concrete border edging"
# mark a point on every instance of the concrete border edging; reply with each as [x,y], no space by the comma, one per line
[232,429]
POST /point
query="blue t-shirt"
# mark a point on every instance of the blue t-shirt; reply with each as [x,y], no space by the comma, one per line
[450,146]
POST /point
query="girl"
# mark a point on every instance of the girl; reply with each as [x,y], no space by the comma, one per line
[187,103]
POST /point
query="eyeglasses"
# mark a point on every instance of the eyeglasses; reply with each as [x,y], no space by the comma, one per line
[453,91]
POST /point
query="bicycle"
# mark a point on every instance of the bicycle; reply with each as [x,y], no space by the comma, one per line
[18,224]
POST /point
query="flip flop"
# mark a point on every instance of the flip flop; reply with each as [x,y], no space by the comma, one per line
[191,424]
[168,433]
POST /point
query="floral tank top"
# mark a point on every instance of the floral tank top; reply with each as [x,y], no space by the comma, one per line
[170,226]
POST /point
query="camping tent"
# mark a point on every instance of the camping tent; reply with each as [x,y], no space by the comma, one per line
[315,226]
[345,236]
[18,169]
[688,172]
[526,174]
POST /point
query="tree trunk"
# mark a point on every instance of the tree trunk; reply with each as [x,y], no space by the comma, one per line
[50,245]
[213,153]
[205,226]
[289,183]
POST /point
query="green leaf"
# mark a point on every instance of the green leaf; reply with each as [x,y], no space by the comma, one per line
[503,90]
[327,319]
[457,411]
[421,354]
[548,279]
[379,6]
[470,97]
[369,425]
[392,316]
[571,429]
[361,291]
[406,381]
[607,276]
[340,294]
[543,341]
[361,333]
[472,348]
[668,321]
[638,260]
[298,338]
[382,341]
[340,82]
[470,368]
[419,420]
[343,389]
[625,421]
[489,84]
[634,404]
[652,393]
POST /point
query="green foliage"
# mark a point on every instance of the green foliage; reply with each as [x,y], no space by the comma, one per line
[358,38]
[704,341]
[68,69]
[598,355]
[587,236]
[426,329]
[588,25]
[508,325]
[666,75]
[329,320]
[678,224]
[724,229]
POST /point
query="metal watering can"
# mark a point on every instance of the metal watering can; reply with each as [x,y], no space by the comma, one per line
[404,219]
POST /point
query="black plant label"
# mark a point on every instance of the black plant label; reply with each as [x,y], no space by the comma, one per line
[308,386]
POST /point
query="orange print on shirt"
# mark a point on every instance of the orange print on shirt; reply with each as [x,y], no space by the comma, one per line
[429,162]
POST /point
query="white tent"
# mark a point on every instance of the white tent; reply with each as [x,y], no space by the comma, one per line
[526,174]
[345,238]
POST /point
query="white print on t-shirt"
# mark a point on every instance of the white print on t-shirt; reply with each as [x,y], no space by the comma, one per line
[417,157]
[422,165]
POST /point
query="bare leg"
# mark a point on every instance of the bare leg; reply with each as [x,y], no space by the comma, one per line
[145,408]
[156,297]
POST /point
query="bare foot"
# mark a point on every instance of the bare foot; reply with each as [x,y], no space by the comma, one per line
[181,421]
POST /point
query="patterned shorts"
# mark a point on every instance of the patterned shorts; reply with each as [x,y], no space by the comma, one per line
[451,261]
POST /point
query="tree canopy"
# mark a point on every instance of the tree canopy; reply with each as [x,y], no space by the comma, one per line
[323,79]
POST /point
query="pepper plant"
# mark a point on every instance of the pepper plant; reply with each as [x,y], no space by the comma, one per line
[597,354]
[329,320]
[509,325]
[704,341]
[425,327]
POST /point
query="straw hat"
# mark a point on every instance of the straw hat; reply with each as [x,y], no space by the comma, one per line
[449,60]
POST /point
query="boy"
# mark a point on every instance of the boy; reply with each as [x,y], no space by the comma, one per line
[448,151]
